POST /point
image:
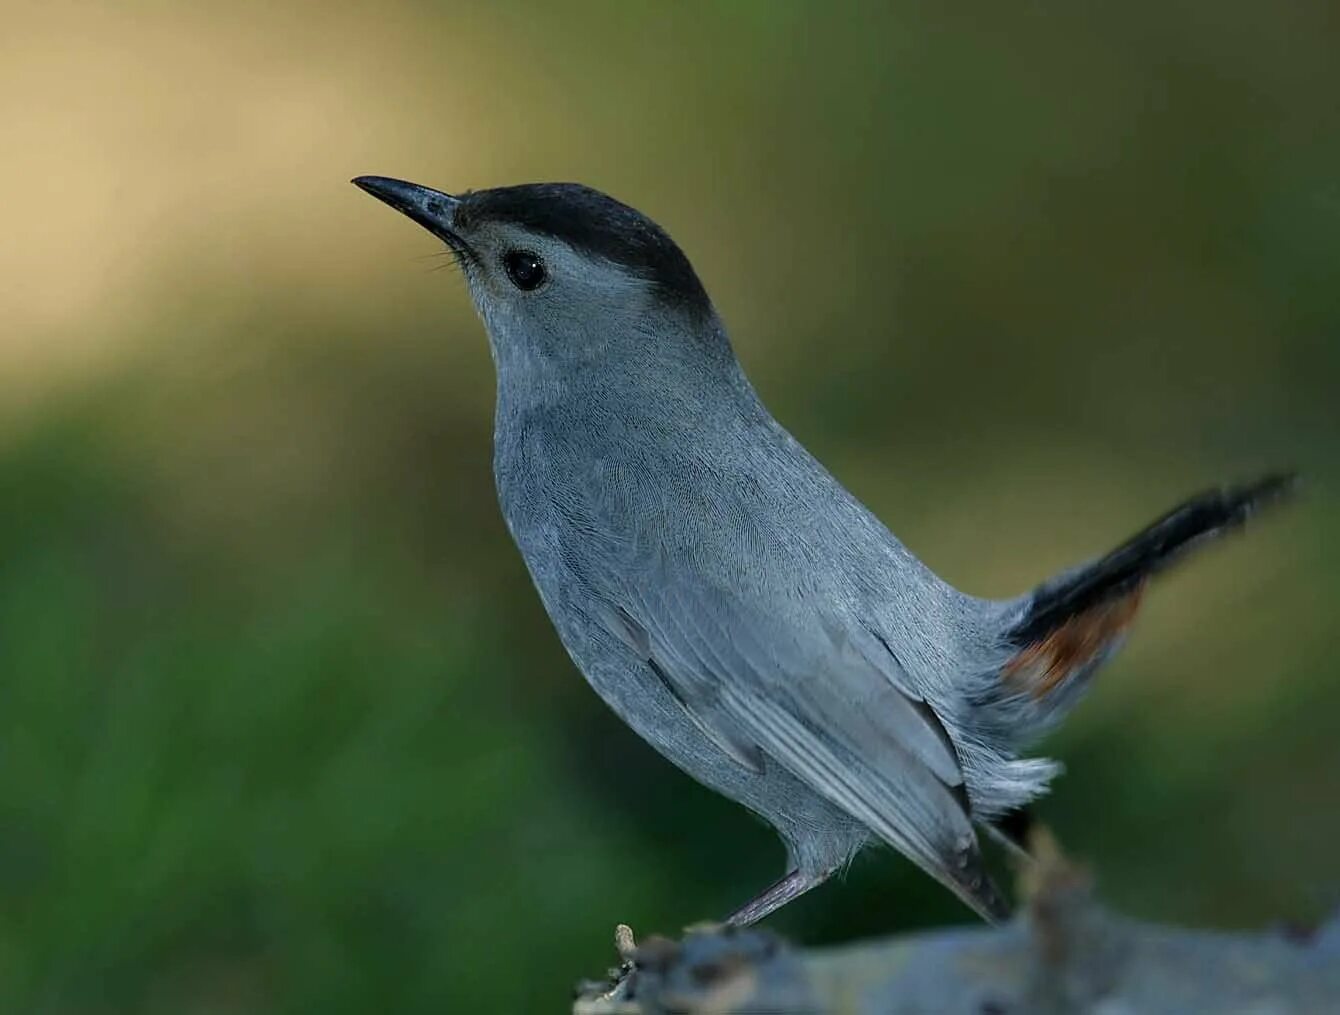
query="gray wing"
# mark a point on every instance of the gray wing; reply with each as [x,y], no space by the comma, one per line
[804,693]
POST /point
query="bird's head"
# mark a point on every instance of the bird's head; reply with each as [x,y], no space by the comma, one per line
[562,274]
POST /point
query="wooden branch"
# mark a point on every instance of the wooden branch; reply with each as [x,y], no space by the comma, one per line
[1065,953]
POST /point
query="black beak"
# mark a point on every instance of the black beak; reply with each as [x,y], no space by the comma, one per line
[432,209]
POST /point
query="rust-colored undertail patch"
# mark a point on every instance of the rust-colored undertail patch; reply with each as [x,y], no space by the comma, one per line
[1046,664]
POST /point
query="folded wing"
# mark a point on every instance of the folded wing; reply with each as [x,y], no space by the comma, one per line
[786,687]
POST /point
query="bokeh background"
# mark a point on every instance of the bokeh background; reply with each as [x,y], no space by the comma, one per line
[282,725]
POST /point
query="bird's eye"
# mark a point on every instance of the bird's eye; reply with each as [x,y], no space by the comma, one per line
[525,269]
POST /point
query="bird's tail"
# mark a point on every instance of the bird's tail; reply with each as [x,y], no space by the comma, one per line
[1071,623]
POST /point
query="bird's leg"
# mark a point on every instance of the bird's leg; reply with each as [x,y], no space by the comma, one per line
[774,897]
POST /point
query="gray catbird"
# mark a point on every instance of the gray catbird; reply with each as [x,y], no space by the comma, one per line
[724,594]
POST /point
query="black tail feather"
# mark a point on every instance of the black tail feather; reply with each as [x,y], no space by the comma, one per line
[1202,517]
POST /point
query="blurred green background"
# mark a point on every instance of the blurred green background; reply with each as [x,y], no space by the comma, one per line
[282,725]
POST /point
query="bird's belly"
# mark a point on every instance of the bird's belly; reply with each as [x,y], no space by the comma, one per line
[532,489]
[818,835]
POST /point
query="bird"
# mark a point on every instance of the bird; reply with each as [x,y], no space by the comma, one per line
[726,596]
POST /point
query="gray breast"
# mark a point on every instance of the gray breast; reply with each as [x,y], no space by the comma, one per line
[541,485]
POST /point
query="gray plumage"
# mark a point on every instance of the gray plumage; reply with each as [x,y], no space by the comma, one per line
[721,591]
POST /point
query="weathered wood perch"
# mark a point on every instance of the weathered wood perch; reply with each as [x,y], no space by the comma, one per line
[1065,953]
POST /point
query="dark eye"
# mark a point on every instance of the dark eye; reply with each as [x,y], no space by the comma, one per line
[525,269]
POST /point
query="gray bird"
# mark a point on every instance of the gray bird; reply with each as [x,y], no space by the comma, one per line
[724,594]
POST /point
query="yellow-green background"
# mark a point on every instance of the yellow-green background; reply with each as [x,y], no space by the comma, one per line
[283,727]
